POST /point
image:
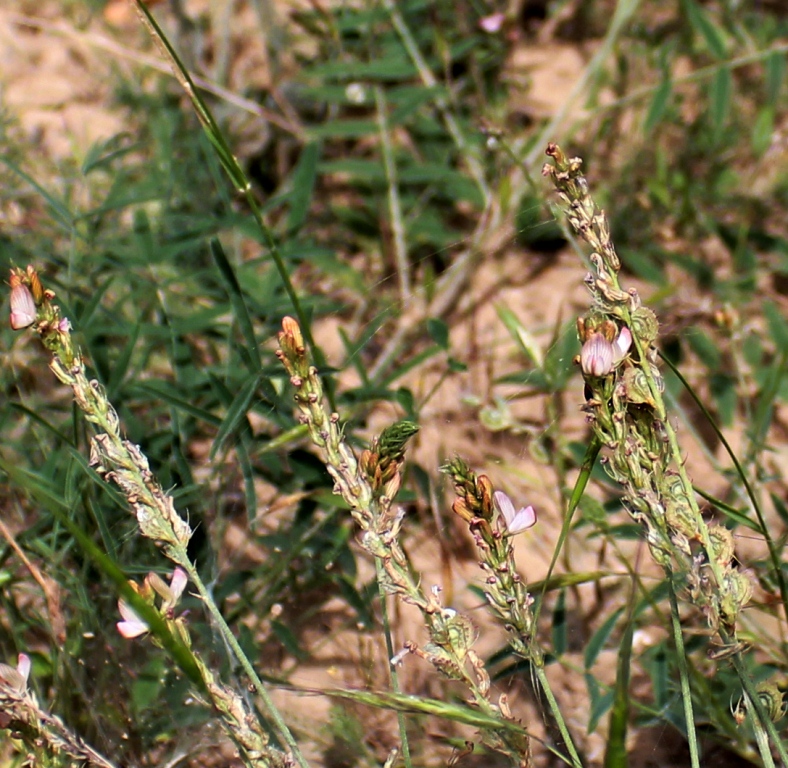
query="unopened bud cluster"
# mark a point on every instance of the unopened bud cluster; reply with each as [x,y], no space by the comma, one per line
[625,407]
[492,520]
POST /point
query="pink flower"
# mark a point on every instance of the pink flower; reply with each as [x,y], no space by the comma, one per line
[515,522]
[23,308]
[171,594]
[132,625]
[599,357]
[16,679]
[492,23]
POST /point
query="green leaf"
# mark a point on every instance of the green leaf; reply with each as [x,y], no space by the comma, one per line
[599,638]
[775,72]
[661,683]
[303,182]
[343,129]
[778,327]
[438,331]
[762,130]
[616,751]
[59,209]
[388,69]
[236,417]
[521,335]
[705,349]
[659,105]
[363,170]
[446,710]
[780,507]
[289,640]
[600,702]
[720,94]
[121,364]
[238,302]
[241,445]
[166,392]
[703,25]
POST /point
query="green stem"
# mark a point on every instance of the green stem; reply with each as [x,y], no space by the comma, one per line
[559,718]
[395,207]
[393,675]
[681,660]
[761,738]
[179,554]
[409,42]
[757,705]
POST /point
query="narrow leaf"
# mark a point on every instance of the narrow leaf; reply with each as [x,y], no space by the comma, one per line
[721,91]
[703,25]
[240,310]
[659,105]
[303,181]
[236,416]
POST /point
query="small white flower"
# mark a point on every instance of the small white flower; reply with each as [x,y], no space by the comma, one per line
[356,93]
[515,521]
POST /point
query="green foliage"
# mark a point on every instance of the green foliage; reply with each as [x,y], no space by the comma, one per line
[155,248]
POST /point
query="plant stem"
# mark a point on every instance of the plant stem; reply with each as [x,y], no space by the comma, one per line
[681,660]
[393,675]
[260,689]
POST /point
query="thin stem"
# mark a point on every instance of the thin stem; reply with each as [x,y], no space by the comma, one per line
[260,689]
[761,739]
[757,705]
[681,660]
[559,718]
[393,675]
[395,208]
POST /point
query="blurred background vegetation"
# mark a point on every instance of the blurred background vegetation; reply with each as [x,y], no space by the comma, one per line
[395,148]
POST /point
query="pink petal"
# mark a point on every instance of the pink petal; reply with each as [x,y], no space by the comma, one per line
[622,344]
[522,521]
[23,308]
[492,23]
[515,522]
[596,356]
[133,625]
[178,582]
